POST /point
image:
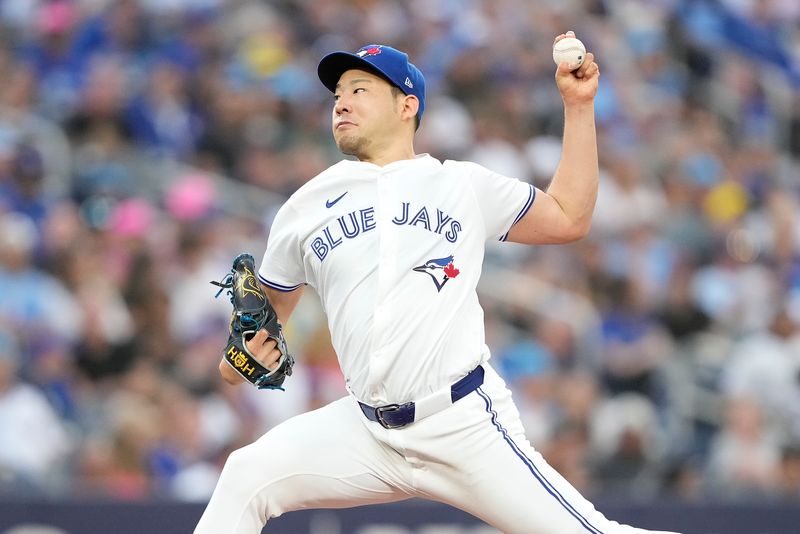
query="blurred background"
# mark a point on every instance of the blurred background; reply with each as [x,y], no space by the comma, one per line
[144,143]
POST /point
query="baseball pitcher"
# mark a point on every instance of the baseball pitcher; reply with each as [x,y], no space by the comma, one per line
[393,243]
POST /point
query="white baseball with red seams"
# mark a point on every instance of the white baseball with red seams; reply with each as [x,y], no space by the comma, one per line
[569,50]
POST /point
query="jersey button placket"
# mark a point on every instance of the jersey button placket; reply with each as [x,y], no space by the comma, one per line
[387,254]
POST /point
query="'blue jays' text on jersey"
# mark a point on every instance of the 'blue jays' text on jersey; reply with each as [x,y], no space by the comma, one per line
[395,253]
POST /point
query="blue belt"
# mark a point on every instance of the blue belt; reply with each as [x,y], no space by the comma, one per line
[400,415]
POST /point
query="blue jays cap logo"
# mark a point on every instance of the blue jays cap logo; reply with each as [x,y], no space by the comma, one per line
[440,270]
[369,51]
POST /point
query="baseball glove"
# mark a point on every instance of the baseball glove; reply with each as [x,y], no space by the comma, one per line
[252,311]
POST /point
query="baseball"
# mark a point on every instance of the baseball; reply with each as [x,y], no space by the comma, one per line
[570,50]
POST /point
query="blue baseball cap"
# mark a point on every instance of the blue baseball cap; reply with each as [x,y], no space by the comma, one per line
[383,60]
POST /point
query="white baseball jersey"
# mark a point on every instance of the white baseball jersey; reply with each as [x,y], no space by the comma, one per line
[395,253]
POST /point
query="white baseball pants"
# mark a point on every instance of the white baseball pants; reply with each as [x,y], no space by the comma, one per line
[473,455]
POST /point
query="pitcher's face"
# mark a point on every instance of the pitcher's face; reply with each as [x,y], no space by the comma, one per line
[366,113]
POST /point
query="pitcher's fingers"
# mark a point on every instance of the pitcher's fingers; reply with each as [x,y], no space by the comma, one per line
[588,61]
[592,70]
[560,36]
[260,337]
[270,361]
[256,344]
[565,69]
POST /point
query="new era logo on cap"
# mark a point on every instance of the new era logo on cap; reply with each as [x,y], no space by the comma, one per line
[383,60]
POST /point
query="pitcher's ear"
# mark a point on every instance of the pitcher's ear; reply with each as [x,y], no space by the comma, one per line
[410,106]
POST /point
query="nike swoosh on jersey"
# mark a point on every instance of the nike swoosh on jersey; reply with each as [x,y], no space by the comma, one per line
[330,203]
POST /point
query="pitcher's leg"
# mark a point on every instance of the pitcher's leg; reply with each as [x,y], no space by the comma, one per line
[544,501]
[492,472]
[321,459]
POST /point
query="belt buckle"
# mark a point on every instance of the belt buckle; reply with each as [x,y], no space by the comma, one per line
[380,410]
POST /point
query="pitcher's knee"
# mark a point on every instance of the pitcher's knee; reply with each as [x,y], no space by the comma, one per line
[260,480]
[237,478]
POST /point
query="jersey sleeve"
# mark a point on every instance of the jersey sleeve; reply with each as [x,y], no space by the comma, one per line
[282,265]
[503,201]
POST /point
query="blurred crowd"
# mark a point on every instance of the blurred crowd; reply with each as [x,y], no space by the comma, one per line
[144,143]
